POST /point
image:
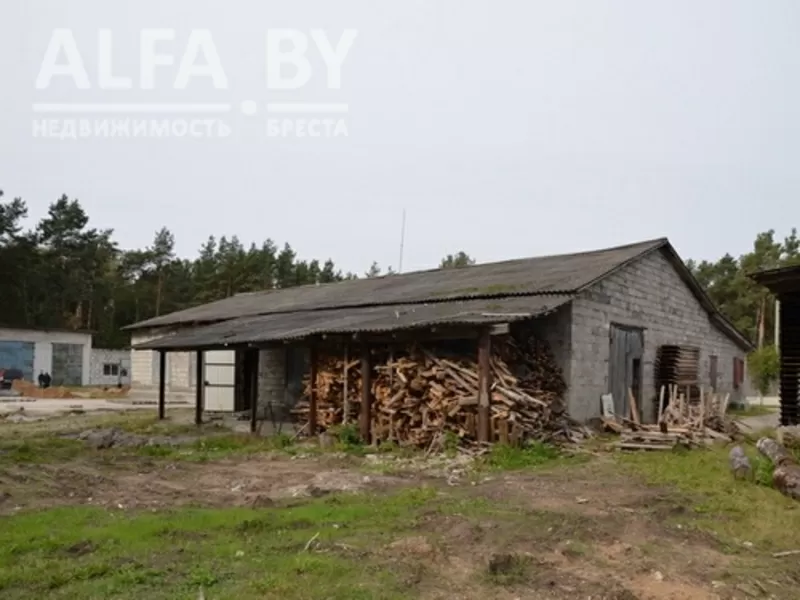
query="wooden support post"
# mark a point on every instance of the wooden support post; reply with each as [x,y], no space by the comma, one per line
[365,421]
[199,389]
[251,378]
[312,399]
[484,386]
[346,392]
[162,384]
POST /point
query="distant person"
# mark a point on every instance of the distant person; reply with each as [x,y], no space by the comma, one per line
[47,380]
[41,379]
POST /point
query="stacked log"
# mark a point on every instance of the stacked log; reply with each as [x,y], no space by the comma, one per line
[786,476]
[421,395]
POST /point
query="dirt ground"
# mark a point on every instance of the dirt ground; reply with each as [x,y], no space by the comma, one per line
[590,533]
[586,531]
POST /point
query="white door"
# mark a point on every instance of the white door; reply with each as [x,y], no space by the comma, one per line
[219,378]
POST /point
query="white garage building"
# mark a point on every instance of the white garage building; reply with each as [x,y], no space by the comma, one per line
[66,355]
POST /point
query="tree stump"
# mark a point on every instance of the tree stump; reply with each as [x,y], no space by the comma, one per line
[740,464]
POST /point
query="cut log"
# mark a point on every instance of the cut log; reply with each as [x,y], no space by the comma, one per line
[775,452]
[786,479]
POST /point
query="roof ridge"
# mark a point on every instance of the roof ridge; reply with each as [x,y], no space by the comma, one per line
[514,277]
[651,242]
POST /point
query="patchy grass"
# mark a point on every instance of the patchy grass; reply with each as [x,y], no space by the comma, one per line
[509,569]
[754,410]
[38,450]
[139,422]
[218,447]
[83,552]
[512,458]
[734,511]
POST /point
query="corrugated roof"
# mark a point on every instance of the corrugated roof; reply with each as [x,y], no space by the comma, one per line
[374,319]
[561,274]
[780,280]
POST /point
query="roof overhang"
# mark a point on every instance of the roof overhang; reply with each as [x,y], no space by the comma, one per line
[365,322]
[785,280]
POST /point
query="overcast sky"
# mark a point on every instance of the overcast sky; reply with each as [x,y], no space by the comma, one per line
[509,128]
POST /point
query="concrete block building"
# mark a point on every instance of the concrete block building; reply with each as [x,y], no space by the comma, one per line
[110,367]
[607,314]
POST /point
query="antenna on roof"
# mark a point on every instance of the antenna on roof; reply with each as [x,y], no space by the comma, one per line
[402,242]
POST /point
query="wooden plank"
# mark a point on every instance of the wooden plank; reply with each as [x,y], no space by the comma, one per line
[661,404]
[632,446]
[634,407]
[484,385]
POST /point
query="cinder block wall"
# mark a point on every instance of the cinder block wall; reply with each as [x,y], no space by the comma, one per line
[649,294]
[144,364]
[102,356]
[142,360]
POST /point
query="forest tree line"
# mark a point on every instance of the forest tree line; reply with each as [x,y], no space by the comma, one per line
[64,274]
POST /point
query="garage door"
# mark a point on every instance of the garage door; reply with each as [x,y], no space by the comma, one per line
[219,378]
[18,356]
[67,364]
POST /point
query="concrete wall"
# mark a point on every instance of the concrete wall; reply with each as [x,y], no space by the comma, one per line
[43,341]
[102,357]
[648,294]
[144,364]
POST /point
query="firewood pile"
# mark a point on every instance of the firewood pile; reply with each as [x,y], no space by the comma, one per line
[680,421]
[420,396]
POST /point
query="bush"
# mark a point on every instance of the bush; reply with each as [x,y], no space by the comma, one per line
[348,436]
[764,366]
